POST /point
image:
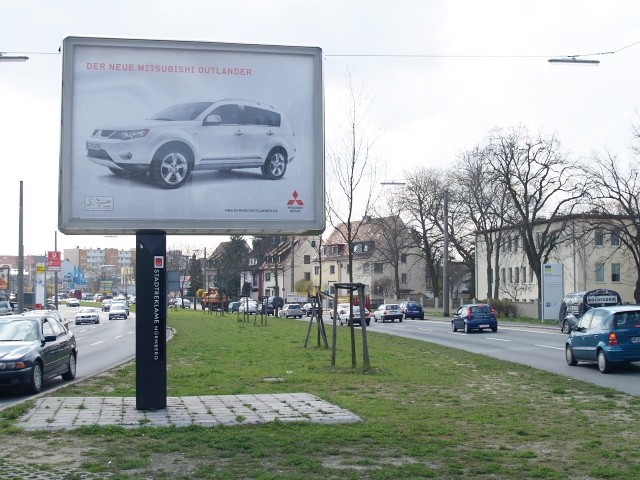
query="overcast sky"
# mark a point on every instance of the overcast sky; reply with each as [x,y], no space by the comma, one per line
[441,75]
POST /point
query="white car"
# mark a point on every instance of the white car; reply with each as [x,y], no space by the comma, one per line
[250,307]
[118,309]
[5,308]
[292,310]
[73,302]
[88,315]
[202,135]
[181,302]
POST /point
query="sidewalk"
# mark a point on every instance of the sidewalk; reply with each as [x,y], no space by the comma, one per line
[55,413]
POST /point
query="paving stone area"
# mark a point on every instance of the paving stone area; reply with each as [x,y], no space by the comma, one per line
[55,413]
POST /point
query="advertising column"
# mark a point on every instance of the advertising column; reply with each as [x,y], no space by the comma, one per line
[552,290]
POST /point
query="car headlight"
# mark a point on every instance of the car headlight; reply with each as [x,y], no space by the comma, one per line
[12,365]
[130,134]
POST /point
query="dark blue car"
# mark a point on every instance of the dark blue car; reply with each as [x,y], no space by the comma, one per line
[606,336]
[477,316]
[412,310]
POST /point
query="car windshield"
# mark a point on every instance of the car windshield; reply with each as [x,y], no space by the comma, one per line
[18,331]
[182,111]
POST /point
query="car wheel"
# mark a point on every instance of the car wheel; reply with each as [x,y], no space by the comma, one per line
[400,319]
[77,323]
[466,328]
[35,385]
[568,355]
[565,327]
[604,365]
[453,326]
[276,164]
[171,167]
[494,329]
[70,374]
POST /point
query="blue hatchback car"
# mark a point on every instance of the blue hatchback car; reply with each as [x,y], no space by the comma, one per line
[606,336]
[412,310]
[476,316]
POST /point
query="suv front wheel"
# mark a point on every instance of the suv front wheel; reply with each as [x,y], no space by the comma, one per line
[171,166]
[275,165]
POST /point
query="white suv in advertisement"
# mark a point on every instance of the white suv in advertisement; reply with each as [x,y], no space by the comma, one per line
[204,135]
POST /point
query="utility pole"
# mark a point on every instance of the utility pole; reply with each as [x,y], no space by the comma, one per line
[445,260]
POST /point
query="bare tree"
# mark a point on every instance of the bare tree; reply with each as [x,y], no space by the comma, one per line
[616,190]
[544,186]
[353,169]
[392,241]
[482,201]
[420,200]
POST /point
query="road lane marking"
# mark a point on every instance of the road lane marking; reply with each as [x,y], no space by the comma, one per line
[119,336]
[97,343]
[549,346]
[426,329]
[498,339]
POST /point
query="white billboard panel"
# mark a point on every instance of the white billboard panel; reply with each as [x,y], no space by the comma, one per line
[191,138]
[552,290]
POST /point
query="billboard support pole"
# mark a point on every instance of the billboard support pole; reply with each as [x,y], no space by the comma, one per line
[151,320]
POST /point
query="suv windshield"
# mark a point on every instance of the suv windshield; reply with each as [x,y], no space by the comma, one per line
[182,111]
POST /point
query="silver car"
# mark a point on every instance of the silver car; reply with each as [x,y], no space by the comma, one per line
[203,135]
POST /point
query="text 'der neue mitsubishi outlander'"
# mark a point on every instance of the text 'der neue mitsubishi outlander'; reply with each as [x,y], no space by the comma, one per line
[206,135]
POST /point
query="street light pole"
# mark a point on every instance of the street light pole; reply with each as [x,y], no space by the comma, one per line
[445,260]
[20,257]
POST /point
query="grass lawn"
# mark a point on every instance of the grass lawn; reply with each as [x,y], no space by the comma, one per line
[428,412]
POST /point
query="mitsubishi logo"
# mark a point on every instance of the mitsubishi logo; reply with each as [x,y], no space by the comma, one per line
[294,200]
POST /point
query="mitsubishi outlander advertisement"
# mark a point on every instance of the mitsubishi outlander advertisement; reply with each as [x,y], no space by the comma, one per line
[190,137]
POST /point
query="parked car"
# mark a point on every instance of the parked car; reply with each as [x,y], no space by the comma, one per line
[412,310]
[106,304]
[118,309]
[607,336]
[388,311]
[340,307]
[206,135]
[87,315]
[308,309]
[57,314]
[5,307]
[266,308]
[180,302]
[233,307]
[35,349]
[248,307]
[344,312]
[73,302]
[575,304]
[291,310]
[476,316]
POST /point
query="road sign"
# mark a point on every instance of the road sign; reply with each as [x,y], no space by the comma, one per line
[53,261]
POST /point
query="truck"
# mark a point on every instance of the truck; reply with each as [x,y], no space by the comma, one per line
[214,299]
[76,293]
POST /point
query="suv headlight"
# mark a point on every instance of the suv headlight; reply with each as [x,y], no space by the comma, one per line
[130,134]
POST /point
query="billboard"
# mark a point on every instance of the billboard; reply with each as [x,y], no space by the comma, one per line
[190,138]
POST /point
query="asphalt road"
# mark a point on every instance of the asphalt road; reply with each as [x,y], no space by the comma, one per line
[538,347]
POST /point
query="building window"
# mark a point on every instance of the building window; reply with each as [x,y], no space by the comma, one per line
[348,268]
[404,279]
[253,261]
[615,238]
[530,275]
[524,274]
[267,277]
[516,244]
[307,259]
[502,275]
[332,269]
[267,292]
[599,236]
[615,272]
[509,244]
[403,258]
[378,268]
[366,269]
[517,275]
[307,276]
[365,247]
[510,275]
[316,270]
[334,249]
[599,272]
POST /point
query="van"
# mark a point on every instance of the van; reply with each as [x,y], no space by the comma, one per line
[575,305]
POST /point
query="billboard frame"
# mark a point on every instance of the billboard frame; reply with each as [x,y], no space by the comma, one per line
[123,216]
